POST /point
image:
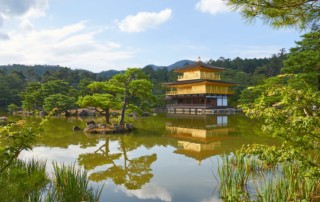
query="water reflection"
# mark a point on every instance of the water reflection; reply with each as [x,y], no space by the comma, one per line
[123,170]
[199,137]
[149,191]
[157,162]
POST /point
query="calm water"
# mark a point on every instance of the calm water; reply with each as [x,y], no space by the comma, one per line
[168,158]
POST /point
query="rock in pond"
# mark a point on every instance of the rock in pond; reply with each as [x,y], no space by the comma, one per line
[76,128]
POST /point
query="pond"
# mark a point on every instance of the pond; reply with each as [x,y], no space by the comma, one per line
[168,158]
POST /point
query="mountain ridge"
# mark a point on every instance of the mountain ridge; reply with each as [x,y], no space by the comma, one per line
[179,63]
[41,69]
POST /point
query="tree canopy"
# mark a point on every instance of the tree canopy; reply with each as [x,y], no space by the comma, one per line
[289,104]
[133,87]
[128,90]
[102,99]
[280,13]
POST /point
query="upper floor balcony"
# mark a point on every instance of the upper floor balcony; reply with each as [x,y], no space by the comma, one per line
[208,91]
[198,75]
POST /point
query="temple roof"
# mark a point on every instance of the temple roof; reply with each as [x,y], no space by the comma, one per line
[199,156]
[198,81]
[198,64]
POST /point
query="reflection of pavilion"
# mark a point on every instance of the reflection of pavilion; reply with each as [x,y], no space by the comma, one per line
[199,138]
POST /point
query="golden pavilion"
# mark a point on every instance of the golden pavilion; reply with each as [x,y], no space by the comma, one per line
[197,89]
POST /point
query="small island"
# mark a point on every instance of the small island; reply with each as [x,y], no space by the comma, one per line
[121,92]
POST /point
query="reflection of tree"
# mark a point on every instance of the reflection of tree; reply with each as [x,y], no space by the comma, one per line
[132,173]
[99,157]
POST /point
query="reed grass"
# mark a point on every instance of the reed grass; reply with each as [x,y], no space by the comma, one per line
[250,179]
[71,184]
[28,181]
[23,181]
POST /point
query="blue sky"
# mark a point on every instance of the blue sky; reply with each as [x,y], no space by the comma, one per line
[99,35]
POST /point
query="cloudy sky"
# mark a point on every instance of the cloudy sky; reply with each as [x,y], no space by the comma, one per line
[99,35]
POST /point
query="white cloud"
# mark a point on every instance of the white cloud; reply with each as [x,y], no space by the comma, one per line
[3,36]
[144,20]
[149,191]
[26,25]
[212,6]
[71,46]
[23,11]
[29,8]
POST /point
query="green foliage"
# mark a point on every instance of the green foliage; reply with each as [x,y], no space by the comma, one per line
[248,72]
[289,105]
[83,87]
[13,139]
[32,96]
[12,108]
[23,181]
[11,84]
[58,102]
[55,87]
[103,98]
[19,181]
[239,77]
[26,181]
[244,65]
[55,94]
[278,13]
[102,101]
[246,178]
[71,184]
[305,58]
[20,84]
[132,87]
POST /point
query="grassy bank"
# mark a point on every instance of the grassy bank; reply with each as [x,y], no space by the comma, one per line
[250,179]
[28,181]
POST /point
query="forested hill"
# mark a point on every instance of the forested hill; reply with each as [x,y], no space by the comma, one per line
[180,63]
[43,73]
[15,78]
[25,69]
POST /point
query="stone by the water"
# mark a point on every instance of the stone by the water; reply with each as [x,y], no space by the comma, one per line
[83,113]
[90,123]
[76,128]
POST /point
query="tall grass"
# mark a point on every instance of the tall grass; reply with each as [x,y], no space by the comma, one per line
[71,184]
[28,181]
[23,181]
[250,179]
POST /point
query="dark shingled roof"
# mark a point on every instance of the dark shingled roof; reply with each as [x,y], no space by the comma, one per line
[197,81]
[197,64]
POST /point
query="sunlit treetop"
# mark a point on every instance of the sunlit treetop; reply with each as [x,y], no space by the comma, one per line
[301,14]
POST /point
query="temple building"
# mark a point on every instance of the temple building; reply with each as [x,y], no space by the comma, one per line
[198,89]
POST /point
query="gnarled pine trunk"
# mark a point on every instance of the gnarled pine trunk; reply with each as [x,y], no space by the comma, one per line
[123,110]
[107,115]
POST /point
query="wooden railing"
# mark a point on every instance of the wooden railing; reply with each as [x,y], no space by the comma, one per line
[188,106]
[210,76]
[188,92]
[202,75]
